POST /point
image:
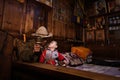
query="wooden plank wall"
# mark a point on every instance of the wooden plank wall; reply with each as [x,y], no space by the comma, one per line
[6,47]
[61,20]
[18,18]
[1,12]
[29,16]
[12,16]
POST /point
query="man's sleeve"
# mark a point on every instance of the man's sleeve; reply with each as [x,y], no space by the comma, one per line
[42,57]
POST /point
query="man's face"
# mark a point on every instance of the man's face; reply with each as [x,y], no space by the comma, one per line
[100,5]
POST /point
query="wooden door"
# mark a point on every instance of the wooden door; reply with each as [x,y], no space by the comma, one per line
[13,16]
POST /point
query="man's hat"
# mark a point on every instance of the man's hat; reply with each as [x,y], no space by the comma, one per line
[42,32]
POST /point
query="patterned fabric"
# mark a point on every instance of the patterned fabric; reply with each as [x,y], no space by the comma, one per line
[108,70]
[73,59]
[51,55]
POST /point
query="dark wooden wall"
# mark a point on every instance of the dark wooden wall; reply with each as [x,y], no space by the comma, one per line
[12,16]
[18,18]
[1,12]
[6,47]
[105,52]
[59,20]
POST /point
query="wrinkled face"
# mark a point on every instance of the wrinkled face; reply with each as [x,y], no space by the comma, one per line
[53,44]
[100,5]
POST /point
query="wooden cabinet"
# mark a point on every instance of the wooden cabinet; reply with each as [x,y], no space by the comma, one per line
[103,29]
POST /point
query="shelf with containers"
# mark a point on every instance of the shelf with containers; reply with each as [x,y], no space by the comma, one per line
[114,28]
[107,22]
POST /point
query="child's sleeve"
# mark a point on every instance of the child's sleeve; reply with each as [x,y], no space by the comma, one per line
[60,56]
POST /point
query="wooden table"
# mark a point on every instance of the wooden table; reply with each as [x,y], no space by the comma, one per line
[36,71]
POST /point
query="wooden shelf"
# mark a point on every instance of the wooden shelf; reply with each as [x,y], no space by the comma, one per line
[106,14]
[114,24]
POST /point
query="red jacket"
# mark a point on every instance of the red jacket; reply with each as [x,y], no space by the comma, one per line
[44,59]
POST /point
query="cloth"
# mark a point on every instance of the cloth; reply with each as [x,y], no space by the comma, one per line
[51,57]
[108,70]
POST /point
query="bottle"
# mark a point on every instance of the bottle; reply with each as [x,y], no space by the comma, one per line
[110,28]
[110,20]
[114,20]
[117,19]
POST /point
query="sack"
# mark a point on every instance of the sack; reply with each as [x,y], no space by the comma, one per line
[73,59]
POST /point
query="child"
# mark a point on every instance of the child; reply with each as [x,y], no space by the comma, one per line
[51,55]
